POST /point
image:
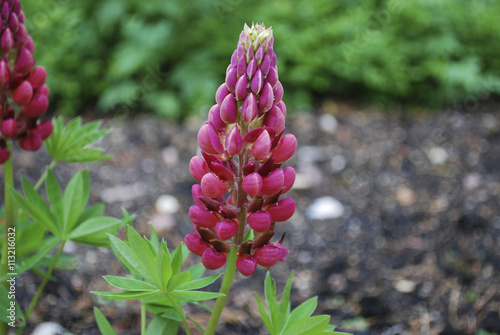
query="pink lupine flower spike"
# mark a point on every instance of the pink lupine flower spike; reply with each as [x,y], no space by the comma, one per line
[240,172]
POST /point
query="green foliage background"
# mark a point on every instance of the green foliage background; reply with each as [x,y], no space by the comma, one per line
[169,56]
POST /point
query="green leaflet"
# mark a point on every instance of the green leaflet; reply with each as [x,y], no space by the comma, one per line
[278,318]
[70,143]
[162,326]
[103,323]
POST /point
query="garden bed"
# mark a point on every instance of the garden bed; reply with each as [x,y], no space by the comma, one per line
[410,246]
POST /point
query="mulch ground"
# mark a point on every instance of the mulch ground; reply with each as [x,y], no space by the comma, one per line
[413,251]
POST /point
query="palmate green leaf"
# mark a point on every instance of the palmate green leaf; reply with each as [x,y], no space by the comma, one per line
[199,283]
[127,295]
[196,271]
[75,198]
[177,280]
[130,260]
[271,300]
[29,235]
[304,310]
[93,211]
[69,144]
[54,194]
[162,326]
[39,214]
[43,248]
[103,323]
[167,311]
[145,253]
[197,295]
[279,320]
[309,325]
[129,284]
[95,228]
[263,315]
[283,307]
[163,268]
[177,258]
[153,238]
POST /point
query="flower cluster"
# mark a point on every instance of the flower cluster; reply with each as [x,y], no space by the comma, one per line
[243,146]
[23,93]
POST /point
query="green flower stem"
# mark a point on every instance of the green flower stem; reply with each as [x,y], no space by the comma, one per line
[42,286]
[143,318]
[44,175]
[179,311]
[225,287]
[8,175]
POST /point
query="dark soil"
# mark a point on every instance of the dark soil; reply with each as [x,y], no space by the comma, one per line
[414,252]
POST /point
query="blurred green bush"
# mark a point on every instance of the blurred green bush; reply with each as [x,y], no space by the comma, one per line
[169,56]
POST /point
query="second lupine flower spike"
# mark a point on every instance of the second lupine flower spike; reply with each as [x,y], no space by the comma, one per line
[240,174]
[24,97]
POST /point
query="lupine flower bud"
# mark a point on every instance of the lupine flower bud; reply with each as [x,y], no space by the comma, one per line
[246,264]
[212,259]
[285,148]
[282,210]
[198,168]
[234,142]
[250,109]
[221,93]
[197,193]
[13,23]
[243,148]
[4,72]
[215,140]
[257,82]
[215,119]
[284,250]
[212,186]
[223,172]
[241,88]
[252,184]
[31,142]
[37,77]
[44,129]
[203,217]
[226,229]
[268,255]
[23,93]
[231,78]
[265,65]
[9,128]
[4,155]
[204,140]
[228,109]
[273,183]
[7,40]
[37,106]
[24,61]
[195,244]
[259,221]
[289,178]
[262,146]
[266,98]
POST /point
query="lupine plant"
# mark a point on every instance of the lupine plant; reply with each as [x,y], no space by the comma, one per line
[34,232]
[236,209]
